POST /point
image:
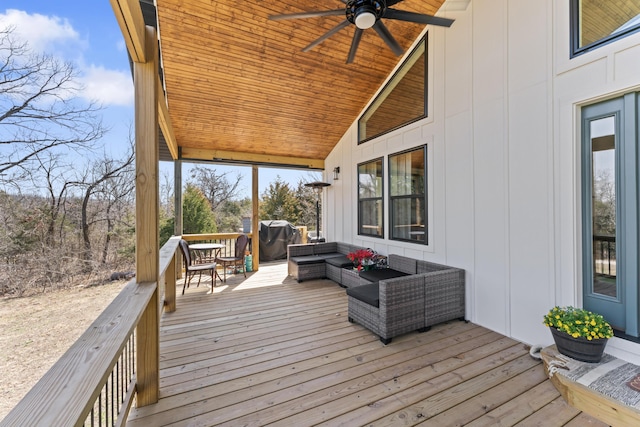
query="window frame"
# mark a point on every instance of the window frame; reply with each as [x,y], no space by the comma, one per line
[424,197]
[388,87]
[574,32]
[371,199]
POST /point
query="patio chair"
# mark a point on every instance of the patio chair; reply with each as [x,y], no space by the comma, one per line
[191,268]
[237,260]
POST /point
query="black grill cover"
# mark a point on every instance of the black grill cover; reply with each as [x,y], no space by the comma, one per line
[275,236]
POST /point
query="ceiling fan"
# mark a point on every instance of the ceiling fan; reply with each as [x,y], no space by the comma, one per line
[365,14]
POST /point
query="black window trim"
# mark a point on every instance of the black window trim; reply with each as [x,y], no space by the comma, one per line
[426,91]
[425,196]
[381,198]
[575,49]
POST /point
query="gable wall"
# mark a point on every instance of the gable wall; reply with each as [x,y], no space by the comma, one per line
[503,138]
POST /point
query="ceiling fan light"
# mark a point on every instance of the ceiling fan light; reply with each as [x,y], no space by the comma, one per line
[365,19]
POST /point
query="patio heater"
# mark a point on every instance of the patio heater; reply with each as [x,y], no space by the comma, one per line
[317,188]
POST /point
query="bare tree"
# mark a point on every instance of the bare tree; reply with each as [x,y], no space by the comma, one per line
[98,179]
[118,197]
[50,173]
[39,107]
[166,194]
[216,187]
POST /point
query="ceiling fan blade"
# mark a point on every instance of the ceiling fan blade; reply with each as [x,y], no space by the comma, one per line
[392,2]
[403,15]
[354,45]
[326,35]
[312,14]
[385,35]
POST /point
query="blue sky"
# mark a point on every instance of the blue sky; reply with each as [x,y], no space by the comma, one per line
[86,33]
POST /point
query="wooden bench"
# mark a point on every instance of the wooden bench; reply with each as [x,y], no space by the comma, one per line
[599,389]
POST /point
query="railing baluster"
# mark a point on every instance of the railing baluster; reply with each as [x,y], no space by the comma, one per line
[113,397]
[604,252]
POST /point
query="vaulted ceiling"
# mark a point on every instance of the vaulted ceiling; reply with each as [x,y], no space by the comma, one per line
[239,87]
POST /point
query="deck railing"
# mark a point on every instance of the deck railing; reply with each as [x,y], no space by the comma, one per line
[227,239]
[94,382]
[604,250]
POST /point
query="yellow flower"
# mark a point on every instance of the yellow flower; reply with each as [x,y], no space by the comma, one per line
[578,322]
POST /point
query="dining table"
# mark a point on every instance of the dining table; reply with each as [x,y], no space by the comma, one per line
[206,252]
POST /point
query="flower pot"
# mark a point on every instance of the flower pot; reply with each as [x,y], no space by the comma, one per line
[579,348]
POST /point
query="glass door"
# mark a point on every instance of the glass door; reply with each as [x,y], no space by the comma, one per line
[609,219]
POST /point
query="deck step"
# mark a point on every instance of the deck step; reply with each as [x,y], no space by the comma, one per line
[600,389]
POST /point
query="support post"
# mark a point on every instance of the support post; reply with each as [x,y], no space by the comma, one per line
[177,195]
[177,208]
[255,230]
[147,239]
[317,216]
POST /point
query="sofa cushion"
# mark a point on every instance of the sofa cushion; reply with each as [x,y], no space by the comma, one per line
[329,255]
[369,293]
[381,274]
[310,259]
[340,261]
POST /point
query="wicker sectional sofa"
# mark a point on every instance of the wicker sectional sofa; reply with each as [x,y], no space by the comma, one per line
[319,260]
[410,295]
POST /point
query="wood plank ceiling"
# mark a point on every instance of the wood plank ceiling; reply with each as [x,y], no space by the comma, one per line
[239,87]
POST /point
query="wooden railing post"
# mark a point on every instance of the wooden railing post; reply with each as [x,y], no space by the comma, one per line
[147,196]
[170,285]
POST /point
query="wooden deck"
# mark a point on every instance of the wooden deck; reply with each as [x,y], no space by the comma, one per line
[267,350]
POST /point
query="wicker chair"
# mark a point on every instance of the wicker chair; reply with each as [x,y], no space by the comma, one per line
[411,303]
[237,260]
[398,308]
[191,268]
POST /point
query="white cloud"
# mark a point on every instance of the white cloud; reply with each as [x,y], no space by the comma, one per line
[56,36]
[43,33]
[109,87]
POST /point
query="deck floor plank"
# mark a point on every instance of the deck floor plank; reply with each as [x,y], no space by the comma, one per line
[518,408]
[556,413]
[268,350]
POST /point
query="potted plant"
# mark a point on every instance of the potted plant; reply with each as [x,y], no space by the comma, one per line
[362,258]
[578,333]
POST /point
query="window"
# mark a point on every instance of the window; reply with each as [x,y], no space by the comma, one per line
[370,203]
[402,101]
[408,194]
[595,23]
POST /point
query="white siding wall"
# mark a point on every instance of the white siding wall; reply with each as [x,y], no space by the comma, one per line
[503,133]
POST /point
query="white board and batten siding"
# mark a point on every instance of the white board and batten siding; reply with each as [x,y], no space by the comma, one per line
[503,134]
